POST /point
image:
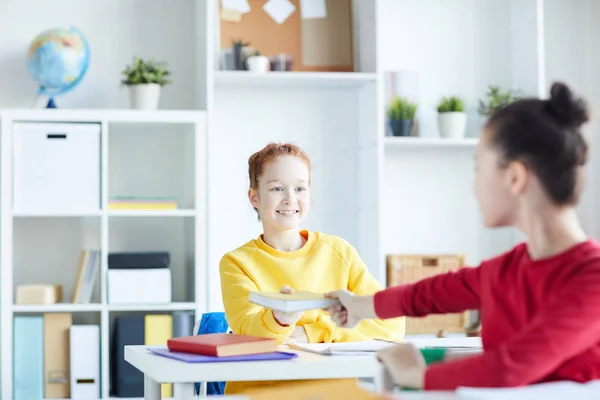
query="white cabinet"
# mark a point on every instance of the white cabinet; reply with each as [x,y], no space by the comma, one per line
[56,167]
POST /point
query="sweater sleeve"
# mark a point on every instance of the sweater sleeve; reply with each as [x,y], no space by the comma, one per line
[360,282]
[569,324]
[451,292]
[244,317]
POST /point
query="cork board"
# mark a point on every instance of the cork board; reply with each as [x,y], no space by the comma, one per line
[315,44]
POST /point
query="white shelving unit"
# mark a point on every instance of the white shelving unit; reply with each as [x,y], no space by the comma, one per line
[155,153]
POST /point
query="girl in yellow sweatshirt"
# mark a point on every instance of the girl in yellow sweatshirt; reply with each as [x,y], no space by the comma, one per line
[285,258]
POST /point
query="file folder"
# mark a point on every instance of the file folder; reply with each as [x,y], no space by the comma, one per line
[28,358]
[56,355]
[157,330]
[85,362]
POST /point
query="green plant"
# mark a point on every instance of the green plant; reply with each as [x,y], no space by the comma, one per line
[496,98]
[240,43]
[401,109]
[451,104]
[141,72]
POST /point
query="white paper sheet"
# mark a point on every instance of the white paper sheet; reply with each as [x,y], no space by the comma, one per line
[313,9]
[279,10]
[237,5]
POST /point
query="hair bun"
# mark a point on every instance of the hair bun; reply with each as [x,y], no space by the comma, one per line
[566,109]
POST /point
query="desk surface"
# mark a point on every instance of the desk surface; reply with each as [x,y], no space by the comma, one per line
[305,366]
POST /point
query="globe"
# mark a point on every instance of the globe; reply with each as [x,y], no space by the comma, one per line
[57,60]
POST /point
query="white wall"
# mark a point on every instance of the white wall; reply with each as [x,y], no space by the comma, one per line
[458,48]
[572,39]
[116,30]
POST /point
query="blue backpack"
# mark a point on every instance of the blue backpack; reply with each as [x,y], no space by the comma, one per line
[213,322]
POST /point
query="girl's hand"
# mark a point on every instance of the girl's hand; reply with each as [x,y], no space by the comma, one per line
[299,335]
[287,319]
[406,365]
[352,310]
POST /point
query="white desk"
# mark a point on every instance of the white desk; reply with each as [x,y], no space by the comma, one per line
[182,375]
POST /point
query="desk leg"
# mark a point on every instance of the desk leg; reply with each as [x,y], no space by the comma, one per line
[383,381]
[151,389]
[183,391]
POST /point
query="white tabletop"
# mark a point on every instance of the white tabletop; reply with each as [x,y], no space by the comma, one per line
[305,366]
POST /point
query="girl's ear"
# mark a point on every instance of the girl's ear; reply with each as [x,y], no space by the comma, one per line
[253,197]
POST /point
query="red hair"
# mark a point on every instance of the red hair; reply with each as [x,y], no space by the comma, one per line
[257,161]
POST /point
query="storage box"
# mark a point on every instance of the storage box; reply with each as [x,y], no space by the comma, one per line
[408,268]
[139,286]
[56,167]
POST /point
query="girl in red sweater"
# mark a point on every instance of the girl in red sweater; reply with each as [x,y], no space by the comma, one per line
[540,301]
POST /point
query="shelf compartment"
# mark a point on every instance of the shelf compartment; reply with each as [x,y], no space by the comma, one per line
[151,161]
[48,250]
[170,234]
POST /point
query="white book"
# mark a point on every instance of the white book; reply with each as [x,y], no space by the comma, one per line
[299,301]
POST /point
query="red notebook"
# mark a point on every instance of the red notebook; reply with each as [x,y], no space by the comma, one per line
[222,344]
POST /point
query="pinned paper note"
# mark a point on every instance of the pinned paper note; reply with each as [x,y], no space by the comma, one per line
[279,10]
[231,15]
[241,6]
[313,9]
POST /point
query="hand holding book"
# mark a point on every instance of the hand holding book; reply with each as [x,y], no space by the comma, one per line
[287,318]
[352,309]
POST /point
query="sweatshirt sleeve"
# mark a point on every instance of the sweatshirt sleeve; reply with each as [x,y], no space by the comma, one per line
[242,316]
[569,325]
[360,282]
[451,292]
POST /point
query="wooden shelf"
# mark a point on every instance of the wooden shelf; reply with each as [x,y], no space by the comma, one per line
[59,307]
[400,142]
[151,213]
[182,306]
[99,115]
[245,79]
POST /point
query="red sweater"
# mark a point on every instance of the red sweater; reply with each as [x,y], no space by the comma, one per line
[540,318]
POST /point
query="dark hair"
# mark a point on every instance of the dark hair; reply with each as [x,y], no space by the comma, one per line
[545,136]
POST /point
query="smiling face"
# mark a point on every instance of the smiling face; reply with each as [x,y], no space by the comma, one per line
[283,194]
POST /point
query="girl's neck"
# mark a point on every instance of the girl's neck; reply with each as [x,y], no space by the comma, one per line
[552,231]
[288,241]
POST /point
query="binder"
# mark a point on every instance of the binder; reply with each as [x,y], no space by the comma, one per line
[28,358]
[85,362]
[56,355]
[127,381]
[157,330]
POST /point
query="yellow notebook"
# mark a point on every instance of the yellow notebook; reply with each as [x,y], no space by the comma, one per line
[299,301]
[157,330]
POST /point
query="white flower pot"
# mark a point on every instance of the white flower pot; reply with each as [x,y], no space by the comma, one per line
[452,124]
[258,64]
[144,96]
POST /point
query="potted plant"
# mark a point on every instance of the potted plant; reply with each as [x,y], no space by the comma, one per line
[258,63]
[496,98]
[452,119]
[145,80]
[239,57]
[401,113]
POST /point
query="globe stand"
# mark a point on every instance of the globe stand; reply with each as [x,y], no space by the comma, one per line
[51,103]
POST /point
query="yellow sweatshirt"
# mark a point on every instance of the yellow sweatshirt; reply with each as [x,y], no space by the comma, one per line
[325,263]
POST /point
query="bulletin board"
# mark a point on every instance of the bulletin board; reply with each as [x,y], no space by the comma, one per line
[321,44]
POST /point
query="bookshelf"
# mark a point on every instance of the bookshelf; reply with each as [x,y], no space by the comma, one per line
[142,153]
